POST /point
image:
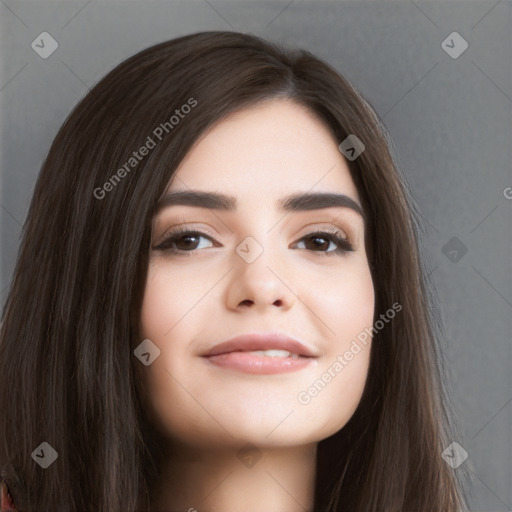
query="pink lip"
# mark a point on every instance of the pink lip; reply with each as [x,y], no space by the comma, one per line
[235,354]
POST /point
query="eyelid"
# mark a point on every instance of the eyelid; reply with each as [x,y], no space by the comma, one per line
[202,229]
[185,227]
[319,226]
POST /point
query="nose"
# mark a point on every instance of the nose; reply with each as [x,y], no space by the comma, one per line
[260,285]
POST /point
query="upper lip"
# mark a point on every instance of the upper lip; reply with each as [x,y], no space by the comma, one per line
[261,341]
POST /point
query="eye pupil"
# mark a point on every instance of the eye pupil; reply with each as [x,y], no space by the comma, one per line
[319,245]
[188,244]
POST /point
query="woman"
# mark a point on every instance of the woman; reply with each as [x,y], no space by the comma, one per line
[218,302]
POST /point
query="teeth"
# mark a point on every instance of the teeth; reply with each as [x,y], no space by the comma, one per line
[274,353]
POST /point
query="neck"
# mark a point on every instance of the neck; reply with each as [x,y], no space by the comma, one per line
[277,479]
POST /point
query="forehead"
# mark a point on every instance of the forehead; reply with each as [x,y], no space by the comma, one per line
[266,150]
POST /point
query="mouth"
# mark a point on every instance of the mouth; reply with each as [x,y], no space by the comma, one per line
[261,354]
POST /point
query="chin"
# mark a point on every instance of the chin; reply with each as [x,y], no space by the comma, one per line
[272,425]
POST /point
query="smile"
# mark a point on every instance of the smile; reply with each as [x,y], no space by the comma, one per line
[262,354]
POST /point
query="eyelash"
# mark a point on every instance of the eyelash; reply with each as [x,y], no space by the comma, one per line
[344,246]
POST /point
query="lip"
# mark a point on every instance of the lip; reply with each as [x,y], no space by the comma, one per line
[236,354]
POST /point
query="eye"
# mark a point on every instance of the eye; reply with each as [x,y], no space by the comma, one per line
[182,241]
[323,239]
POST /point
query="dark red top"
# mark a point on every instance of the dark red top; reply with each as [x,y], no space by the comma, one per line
[6,501]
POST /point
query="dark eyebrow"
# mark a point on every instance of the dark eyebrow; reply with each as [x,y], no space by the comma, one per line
[293,203]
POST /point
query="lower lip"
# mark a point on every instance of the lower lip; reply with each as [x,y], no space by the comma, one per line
[263,365]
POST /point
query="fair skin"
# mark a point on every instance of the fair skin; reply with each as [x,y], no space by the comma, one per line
[205,293]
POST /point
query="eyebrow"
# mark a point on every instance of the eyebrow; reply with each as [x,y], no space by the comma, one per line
[297,202]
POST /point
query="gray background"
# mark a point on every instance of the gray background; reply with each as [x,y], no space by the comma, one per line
[450,120]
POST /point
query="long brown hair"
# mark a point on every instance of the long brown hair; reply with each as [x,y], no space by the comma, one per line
[68,375]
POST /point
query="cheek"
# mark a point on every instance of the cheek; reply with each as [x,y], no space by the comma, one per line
[345,301]
[169,318]
[171,294]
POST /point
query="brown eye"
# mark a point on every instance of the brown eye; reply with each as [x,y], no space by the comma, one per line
[320,241]
[182,240]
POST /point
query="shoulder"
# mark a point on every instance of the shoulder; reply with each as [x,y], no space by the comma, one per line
[6,501]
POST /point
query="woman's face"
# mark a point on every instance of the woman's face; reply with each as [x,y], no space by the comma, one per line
[256,268]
